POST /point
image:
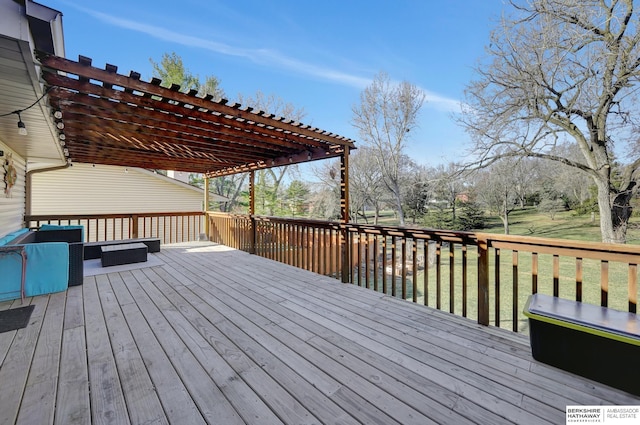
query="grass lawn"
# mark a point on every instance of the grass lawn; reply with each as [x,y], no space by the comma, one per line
[530,222]
[526,222]
[565,225]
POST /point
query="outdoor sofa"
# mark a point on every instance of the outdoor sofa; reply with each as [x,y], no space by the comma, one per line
[48,260]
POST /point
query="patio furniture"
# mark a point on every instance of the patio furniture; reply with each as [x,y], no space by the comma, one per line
[39,241]
[115,255]
[74,236]
[93,250]
[596,342]
[20,251]
[45,270]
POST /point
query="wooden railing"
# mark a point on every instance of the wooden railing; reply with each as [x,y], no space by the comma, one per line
[170,227]
[480,275]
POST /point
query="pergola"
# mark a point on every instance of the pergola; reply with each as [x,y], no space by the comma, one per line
[108,118]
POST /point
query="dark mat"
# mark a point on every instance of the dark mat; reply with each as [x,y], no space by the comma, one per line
[16,318]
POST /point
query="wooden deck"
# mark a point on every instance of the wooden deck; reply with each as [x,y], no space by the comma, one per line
[218,336]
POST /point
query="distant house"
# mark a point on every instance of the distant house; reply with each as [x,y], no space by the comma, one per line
[462,197]
[86,189]
[105,189]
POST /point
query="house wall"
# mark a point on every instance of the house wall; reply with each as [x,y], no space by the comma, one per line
[12,206]
[103,189]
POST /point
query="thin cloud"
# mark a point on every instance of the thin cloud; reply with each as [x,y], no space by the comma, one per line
[442,103]
[266,57]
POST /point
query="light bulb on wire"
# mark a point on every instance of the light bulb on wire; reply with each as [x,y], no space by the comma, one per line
[22,129]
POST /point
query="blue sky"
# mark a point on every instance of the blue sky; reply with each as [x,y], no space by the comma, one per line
[317,54]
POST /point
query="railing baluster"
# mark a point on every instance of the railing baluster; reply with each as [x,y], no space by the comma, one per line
[376,275]
[464,280]
[366,261]
[604,283]
[403,242]
[483,282]
[384,264]
[414,271]
[578,279]
[438,275]
[534,272]
[556,276]
[452,265]
[633,287]
[497,286]
[359,258]
[425,287]
[514,291]
[393,266]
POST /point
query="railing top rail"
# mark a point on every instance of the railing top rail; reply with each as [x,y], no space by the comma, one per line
[566,247]
[47,217]
[579,249]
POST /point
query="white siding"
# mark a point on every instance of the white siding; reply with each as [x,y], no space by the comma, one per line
[12,208]
[102,189]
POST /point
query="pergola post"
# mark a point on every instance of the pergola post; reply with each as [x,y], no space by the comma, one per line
[206,207]
[252,210]
[344,214]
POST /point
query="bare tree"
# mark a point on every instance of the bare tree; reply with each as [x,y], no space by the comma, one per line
[269,180]
[384,118]
[564,70]
[573,185]
[418,187]
[526,178]
[496,190]
[449,186]
[325,200]
[366,188]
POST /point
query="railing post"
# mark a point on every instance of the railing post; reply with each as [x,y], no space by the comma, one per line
[207,200]
[134,226]
[344,214]
[483,281]
[252,211]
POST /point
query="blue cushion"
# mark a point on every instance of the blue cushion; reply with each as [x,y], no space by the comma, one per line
[47,270]
[11,236]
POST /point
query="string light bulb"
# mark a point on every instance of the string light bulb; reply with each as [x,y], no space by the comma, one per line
[22,129]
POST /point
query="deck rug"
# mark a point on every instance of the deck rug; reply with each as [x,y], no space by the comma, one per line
[94,267]
[15,318]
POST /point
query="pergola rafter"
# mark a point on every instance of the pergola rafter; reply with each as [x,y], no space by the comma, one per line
[109,118]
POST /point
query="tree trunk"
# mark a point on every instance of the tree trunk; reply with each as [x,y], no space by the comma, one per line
[615,211]
[505,223]
[397,198]
[505,217]
[453,211]
[400,212]
[377,216]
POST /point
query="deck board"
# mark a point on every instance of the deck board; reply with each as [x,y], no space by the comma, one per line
[39,400]
[108,403]
[141,399]
[215,335]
